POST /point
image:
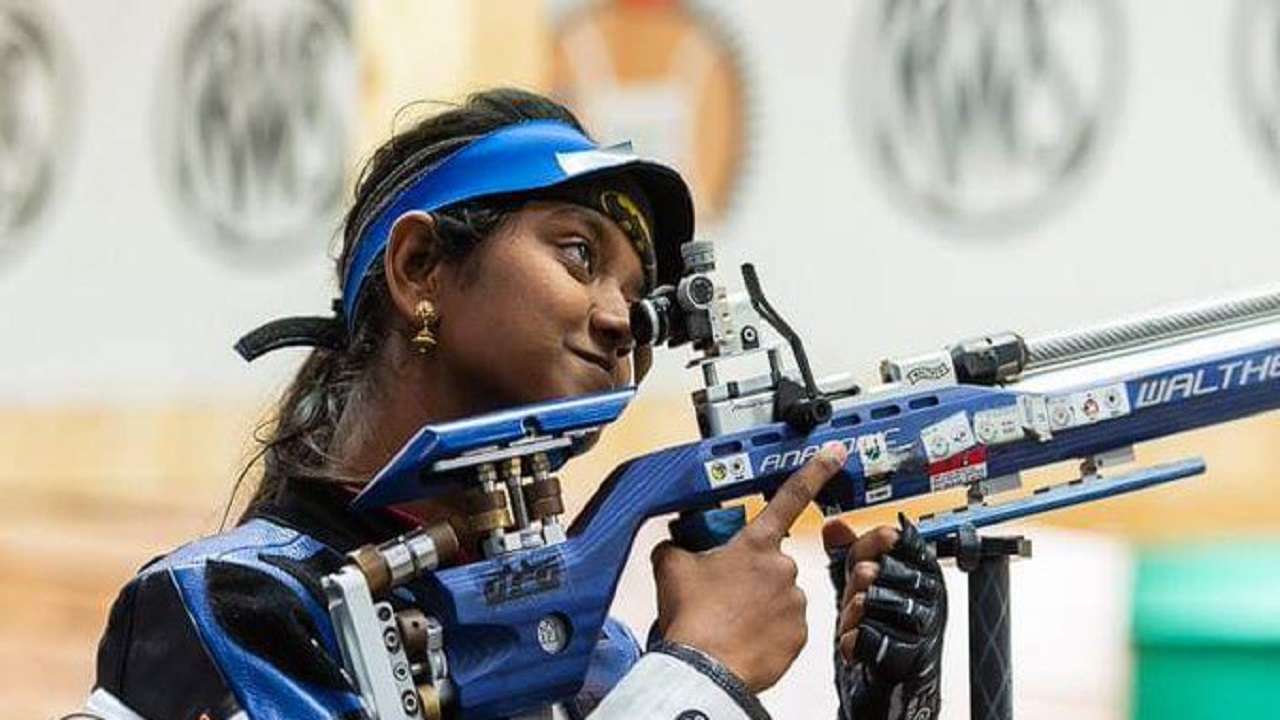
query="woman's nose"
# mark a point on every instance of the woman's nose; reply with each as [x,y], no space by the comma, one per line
[611,323]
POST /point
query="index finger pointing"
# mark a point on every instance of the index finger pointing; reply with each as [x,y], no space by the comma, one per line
[798,491]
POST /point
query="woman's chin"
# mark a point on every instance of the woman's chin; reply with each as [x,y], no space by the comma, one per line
[594,384]
[584,384]
[570,381]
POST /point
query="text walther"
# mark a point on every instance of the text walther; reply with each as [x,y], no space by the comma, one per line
[1208,380]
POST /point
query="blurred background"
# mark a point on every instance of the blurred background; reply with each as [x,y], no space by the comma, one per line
[905,173]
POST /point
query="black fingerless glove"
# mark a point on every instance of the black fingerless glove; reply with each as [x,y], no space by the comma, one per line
[896,673]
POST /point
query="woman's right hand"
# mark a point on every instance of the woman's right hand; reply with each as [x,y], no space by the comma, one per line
[739,603]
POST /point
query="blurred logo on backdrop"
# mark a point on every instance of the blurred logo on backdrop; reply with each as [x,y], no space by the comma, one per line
[666,76]
[34,111]
[983,114]
[256,115]
[1257,49]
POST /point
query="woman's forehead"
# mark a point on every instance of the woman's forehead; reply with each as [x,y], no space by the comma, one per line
[565,210]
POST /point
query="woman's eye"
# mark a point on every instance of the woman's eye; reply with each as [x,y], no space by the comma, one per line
[580,254]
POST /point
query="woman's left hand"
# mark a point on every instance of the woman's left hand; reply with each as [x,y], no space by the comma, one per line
[860,567]
[893,617]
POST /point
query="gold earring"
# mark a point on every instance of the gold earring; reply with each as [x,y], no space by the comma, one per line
[425,340]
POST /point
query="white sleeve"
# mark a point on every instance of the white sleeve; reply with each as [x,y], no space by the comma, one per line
[105,706]
[677,682]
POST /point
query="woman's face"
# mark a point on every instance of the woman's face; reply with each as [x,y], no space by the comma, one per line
[540,309]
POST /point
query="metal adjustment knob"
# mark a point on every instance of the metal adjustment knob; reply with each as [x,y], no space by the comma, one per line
[397,561]
[414,633]
[512,472]
[543,498]
[487,510]
[540,464]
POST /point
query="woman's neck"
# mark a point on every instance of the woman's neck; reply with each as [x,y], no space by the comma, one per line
[376,424]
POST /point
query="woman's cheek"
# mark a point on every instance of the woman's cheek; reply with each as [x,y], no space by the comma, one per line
[527,309]
[523,353]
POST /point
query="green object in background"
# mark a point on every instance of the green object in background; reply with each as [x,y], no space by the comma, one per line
[1206,630]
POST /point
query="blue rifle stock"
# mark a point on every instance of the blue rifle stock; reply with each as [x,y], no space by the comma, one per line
[519,626]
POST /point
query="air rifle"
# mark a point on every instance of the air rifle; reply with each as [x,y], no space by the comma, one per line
[513,630]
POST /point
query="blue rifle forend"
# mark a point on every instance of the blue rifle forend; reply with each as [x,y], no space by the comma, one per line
[491,609]
[935,527]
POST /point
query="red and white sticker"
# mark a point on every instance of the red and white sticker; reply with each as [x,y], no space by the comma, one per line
[954,455]
[968,466]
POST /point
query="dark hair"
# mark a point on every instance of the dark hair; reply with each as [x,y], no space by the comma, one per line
[295,444]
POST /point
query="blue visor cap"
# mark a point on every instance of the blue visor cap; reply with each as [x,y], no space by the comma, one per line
[528,156]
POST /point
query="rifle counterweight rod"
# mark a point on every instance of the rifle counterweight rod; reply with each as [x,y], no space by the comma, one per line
[1061,348]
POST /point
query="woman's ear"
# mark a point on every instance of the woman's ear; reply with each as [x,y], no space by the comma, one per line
[412,263]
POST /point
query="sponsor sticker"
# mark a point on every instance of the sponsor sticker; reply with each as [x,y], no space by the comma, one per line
[728,469]
[924,373]
[954,455]
[947,438]
[1088,406]
[998,426]
[963,468]
[873,453]
[879,493]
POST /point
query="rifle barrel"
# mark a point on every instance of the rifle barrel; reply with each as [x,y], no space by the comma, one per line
[1140,333]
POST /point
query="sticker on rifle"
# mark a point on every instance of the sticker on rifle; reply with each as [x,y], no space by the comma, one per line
[1088,406]
[873,453]
[964,468]
[728,469]
[998,426]
[947,438]
[879,493]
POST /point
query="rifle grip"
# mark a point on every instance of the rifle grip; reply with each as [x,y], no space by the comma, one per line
[700,530]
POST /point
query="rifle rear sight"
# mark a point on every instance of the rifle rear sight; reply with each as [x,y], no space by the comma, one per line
[719,324]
